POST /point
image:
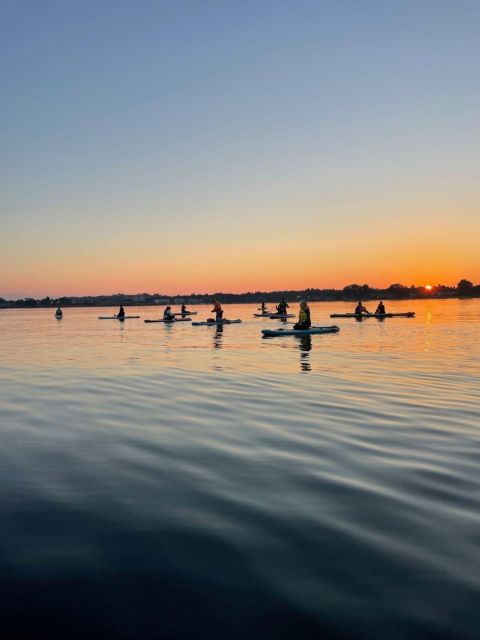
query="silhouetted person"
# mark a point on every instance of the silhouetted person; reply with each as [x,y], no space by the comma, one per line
[380,308]
[168,314]
[282,307]
[59,312]
[184,308]
[264,307]
[121,312]
[359,309]
[217,310]
[304,321]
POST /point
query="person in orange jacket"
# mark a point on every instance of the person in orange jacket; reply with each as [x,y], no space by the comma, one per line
[217,310]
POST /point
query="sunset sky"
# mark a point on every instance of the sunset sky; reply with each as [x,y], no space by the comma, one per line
[177,146]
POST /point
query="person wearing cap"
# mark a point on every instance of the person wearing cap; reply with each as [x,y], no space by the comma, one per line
[304,321]
[168,314]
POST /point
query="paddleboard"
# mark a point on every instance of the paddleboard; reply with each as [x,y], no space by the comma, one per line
[300,332]
[409,314]
[208,324]
[117,318]
[170,321]
[274,316]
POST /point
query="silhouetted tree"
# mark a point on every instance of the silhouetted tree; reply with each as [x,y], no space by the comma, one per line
[398,290]
[465,287]
[356,290]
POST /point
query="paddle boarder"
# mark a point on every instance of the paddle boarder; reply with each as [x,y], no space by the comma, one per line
[217,310]
[183,309]
[359,309]
[304,321]
[380,308]
[121,312]
[282,307]
[58,312]
[168,314]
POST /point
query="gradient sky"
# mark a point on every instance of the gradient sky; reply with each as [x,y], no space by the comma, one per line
[178,146]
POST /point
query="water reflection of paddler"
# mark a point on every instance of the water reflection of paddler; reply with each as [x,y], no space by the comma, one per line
[217,337]
[305,347]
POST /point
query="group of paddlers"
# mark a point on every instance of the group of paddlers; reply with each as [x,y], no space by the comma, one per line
[304,320]
[168,314]
[359,309]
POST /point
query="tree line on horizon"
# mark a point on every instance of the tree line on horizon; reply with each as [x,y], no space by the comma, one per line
[464,288]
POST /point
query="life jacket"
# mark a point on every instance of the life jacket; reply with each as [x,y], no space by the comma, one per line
[303,315]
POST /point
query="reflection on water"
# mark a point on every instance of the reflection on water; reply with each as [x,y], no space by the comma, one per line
[305,345]
[217,337]
[161,481]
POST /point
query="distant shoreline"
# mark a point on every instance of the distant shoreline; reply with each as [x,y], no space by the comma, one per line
[225,299]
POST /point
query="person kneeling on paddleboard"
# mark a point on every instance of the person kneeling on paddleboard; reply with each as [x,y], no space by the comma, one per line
[304,321]
[168,314]
[121,312]
[359,309]
[380,308]
[218,311]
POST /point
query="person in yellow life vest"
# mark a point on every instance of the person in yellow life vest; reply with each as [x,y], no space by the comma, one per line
[217,310]
[304,321]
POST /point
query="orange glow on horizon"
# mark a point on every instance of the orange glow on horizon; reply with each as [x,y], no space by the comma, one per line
[232,263]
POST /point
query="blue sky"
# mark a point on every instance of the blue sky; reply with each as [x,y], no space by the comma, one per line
[137,132]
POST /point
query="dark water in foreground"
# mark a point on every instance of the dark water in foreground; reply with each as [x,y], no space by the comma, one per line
[180,482]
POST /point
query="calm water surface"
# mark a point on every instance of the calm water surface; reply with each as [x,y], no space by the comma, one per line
[188,482]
